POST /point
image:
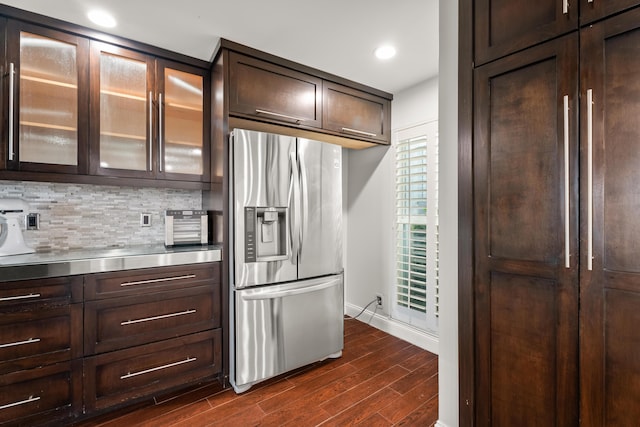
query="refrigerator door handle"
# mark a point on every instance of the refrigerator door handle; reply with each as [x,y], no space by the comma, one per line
[294,197]
[304,202]
[268,294]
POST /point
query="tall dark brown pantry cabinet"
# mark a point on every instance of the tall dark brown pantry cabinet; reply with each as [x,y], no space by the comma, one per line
[610,222]
[526,277]
[550,277]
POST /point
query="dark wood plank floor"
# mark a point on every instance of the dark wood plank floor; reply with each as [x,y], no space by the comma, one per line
[379,381]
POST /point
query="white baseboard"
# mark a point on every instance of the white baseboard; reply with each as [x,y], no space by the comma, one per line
[398,329]
[440,424]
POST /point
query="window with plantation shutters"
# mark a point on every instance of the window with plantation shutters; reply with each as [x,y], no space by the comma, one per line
[416,263]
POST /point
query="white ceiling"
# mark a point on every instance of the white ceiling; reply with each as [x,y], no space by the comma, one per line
[336,36]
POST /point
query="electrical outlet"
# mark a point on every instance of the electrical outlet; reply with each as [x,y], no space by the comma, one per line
[379,300]
[33,221]
[145,220]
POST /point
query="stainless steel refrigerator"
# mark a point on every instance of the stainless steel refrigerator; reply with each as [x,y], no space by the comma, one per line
[287,299]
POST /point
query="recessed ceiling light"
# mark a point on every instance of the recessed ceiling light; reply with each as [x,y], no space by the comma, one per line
[102,18]
[385,52]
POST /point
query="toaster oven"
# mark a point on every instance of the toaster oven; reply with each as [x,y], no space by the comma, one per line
[186,227]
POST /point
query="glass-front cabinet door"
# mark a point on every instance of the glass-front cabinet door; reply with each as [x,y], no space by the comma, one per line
[181,120]
[48,100]
[122,112]
[147,116]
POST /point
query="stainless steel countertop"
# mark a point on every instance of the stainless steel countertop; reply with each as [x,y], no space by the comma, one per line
[65,263]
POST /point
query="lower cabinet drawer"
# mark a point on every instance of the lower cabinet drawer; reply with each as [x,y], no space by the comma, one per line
[42,396]
[38,337]
[118,323]
[120,376]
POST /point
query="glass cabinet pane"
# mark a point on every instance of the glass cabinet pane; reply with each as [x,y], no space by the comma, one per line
[183,122]
[123,113]
[48,101]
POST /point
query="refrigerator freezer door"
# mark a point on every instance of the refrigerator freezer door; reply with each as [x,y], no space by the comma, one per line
[283,327]
[262,195]
[321,208]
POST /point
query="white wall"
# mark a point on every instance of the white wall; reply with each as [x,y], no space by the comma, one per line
[370,215]
[448,203]
[415,105]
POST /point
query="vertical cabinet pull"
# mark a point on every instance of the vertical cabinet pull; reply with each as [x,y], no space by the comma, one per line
[150,131]
[12,78]
[22,402]
[567,223]
[565,7]
[590,179]
[160,148]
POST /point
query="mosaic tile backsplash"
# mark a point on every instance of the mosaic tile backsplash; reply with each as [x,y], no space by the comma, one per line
[76,216]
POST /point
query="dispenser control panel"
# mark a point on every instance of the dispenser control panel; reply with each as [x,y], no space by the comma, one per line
[250,234]
[266,234]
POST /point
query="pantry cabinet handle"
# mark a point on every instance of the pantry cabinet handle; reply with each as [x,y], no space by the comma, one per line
[150,131]
[589,179]
[163,279]
[162,316]
[359,132]
[158,368]
[565,7]
[567,222]
[160,143]
[14,344]
[282,116]
[19,297]
[22,402]
[12,73]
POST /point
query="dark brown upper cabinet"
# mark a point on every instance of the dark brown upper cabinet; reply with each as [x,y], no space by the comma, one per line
[46,84]
[507,26]
[355,113]
[273,91]
[592,10]
[147,116]
[269,92]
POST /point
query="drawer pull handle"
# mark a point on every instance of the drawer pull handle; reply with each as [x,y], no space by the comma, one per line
[359,132]
[19,297]
[158,368]
[22,402]
[163,316]
[13,344]
[282,116]
[164,279]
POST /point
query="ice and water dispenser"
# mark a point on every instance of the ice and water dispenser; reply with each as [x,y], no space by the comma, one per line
[266,234]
